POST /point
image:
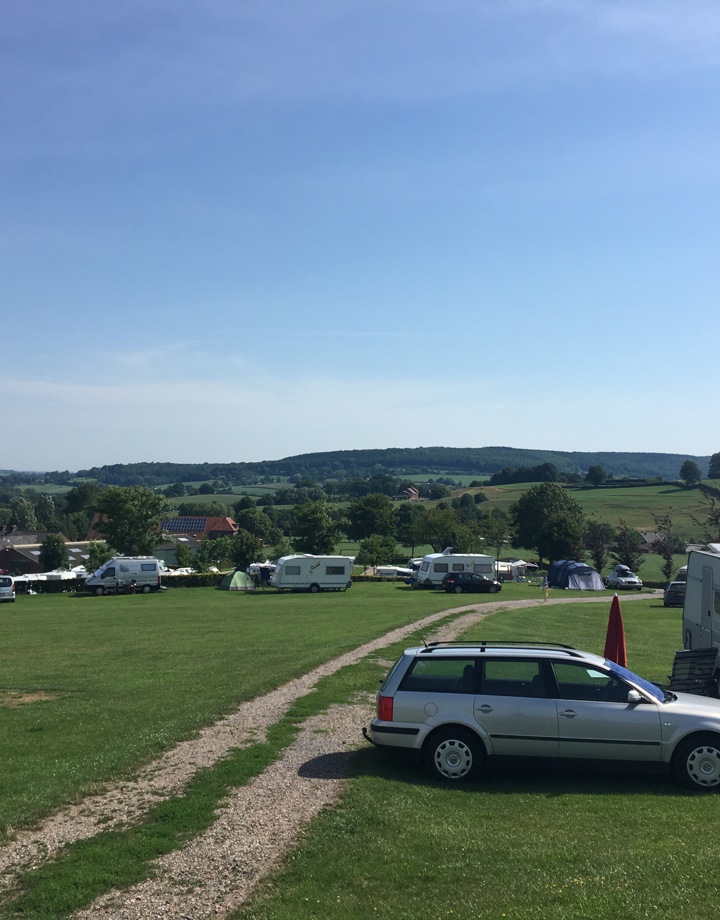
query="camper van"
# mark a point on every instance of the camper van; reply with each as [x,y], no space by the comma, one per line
[435,566]
[313,573]
[120,572]
[701,609]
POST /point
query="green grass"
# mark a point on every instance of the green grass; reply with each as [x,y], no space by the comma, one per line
[522,842]
[114,681]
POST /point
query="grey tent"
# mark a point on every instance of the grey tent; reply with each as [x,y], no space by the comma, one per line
[237,581]
[574,575]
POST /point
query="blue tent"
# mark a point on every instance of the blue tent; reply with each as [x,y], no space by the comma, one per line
[574,575]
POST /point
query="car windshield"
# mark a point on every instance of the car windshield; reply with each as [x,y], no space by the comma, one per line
[619,671]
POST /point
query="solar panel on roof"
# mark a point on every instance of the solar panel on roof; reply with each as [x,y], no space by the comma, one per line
[185,525]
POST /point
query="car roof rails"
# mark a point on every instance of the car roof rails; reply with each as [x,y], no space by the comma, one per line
[509,643]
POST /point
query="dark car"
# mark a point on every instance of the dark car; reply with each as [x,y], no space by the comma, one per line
[675,594]
[458,582]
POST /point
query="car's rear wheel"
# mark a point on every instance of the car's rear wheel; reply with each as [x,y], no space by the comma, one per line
[458,589]
[453,754]
[697,762]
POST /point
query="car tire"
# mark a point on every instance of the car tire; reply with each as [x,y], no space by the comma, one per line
[145,589]
[458,589]
[99,591]
[453,755]
[696,762]
[492,589]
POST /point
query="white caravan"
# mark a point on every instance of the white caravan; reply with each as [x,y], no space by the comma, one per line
[313,573]
[435,566]
[701,610]
[119,572]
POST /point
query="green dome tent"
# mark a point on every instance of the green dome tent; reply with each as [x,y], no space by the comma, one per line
[237,581]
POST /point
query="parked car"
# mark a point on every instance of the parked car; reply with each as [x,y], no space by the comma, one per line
[458,582]
[7,589]
[460,705]
[675,594]
[622,577]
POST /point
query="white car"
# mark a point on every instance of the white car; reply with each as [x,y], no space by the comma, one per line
[622,577]
[460,705]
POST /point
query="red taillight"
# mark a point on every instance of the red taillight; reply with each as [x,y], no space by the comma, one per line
[385,708]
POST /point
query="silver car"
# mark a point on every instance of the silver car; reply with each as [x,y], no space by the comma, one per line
[458,705]
[7,589]
[622,577]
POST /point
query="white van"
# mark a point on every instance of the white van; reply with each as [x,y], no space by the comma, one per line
[118,573]
[701,608]
[7,589]
[435,566]
[313,573]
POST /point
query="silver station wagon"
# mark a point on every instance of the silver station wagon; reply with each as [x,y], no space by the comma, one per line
[458,705]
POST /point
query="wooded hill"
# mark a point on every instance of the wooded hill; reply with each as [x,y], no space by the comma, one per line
[400,462]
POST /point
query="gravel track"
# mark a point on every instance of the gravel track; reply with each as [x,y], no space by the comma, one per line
[258,823]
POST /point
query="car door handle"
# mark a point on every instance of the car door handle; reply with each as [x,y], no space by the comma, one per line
[569,713]
[485,708]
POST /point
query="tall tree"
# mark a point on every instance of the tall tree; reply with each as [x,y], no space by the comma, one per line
[549,520]
[625,548]
[53,553]
[690,473]
[130,519]
[598,538]
[376,550]
[315,529]
[714,468]
[371,514]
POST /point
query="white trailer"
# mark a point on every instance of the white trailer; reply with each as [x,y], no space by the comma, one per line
[313,573]
[701,610]
[118,573]
[435,566]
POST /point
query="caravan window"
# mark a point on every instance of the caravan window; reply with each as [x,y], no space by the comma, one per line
[483,568]
[147,567]
[292,569]
[335,570]
[124,567]
[440,567]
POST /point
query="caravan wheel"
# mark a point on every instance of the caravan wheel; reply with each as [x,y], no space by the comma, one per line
[313,589]
[146,589]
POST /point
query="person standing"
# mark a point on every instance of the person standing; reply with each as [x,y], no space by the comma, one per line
[545,589]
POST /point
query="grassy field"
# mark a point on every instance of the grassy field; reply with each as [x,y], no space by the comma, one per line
[95,686]
[525,842]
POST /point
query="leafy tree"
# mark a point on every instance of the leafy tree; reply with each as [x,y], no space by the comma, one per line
[256,522]
[184,555]
[710,523]
[548,520]
[690,473]
[130,519]
[23,513]
[247,548]
[315,529]
[714,468]
[53,553]
[598,538]
[596,476]
[497,531]
[667,545]
[373,514]
[98,553]
[625,549]
[376,550]
[407,517]
[440,527]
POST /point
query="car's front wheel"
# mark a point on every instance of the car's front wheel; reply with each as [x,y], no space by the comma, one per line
[493,589]
[697,762]
[453,754]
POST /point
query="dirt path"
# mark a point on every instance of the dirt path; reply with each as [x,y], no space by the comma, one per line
[218,870]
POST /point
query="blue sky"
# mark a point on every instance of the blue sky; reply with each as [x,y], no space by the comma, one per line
[236,230]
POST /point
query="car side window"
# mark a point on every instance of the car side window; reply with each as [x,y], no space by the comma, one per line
[513,677]
[441,675]
[583,682]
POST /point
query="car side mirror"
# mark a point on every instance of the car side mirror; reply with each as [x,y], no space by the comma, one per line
[634,697]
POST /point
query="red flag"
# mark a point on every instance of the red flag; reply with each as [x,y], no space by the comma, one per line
[615,639]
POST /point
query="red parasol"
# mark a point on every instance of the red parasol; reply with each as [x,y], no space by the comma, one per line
[615,640]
